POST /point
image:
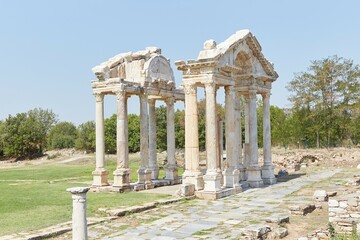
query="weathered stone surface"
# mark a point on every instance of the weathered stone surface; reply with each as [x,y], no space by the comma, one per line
[187,189]
[320,196]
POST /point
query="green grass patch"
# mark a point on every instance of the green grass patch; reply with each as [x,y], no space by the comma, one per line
[203,232]
[35,197]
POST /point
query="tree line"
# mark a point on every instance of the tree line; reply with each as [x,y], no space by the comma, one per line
[325,113]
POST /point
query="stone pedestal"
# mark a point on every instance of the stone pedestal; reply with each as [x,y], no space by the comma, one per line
[122,179]
[195,178]
[100,178]
[242,173]
[154,172]
[171,172]
[229,177]
[267,173]
[254,176]
[212,181]
[79,223]
[144,178]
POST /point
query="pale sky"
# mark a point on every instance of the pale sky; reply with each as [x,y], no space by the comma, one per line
[47,48]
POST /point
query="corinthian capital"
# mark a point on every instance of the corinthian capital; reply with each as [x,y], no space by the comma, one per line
[120,95]
[99,97]
[190,89]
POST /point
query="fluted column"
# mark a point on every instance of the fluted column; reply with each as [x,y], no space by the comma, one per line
[192,174]
[152,140]
[122,172]
[238,153]
[212,178]
[268,167]
[253,170]
[100,175]
[230,137]
[144,173]
[171,170]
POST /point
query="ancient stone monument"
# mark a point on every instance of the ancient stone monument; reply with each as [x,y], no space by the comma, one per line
[148,75]
[237,65]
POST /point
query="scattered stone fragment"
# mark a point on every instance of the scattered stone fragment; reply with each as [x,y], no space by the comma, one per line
[282,173]
[302,210]
[332,194]
[277,219]
[320,196]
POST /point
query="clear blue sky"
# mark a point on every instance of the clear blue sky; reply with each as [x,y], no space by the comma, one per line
[47,48]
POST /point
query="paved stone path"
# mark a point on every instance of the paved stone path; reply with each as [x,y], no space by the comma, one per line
[208,219]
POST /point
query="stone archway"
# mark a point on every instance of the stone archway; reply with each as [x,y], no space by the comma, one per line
[148,75]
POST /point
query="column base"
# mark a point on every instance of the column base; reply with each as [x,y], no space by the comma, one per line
[100,178]
[254,176]
[267,173]
[242,173]
[193,177]
[171,172]
[229,177]
[212,181]
[144,178]
[154,172]
[236,183]
[122,179]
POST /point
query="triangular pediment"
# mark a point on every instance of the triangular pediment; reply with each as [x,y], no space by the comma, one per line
[241,52]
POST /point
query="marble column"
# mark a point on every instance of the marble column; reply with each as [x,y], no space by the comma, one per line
[253,170]
[144,173]
[238,153]
[79,223]
[122,172]
[268,167]
[230,138]
[212,178]
[100,175]
[192,173]
[153,166]
[171,170]
[246,160]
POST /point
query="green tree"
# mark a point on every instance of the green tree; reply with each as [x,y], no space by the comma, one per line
[179,128]
[325,97]
[62,135]
[24,136]
[161,128]
[110,134]
[47,118]
[134,132]
[86,137]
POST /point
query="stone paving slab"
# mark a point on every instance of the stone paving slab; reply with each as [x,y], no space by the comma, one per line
[224,218]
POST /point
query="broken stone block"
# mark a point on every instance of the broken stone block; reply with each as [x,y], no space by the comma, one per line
[333,203]
[332,193]
[187,189]
[279,233]
[302,210]
[278,219]
[320,196]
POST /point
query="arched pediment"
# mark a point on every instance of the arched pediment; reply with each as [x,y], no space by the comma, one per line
[158,68]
